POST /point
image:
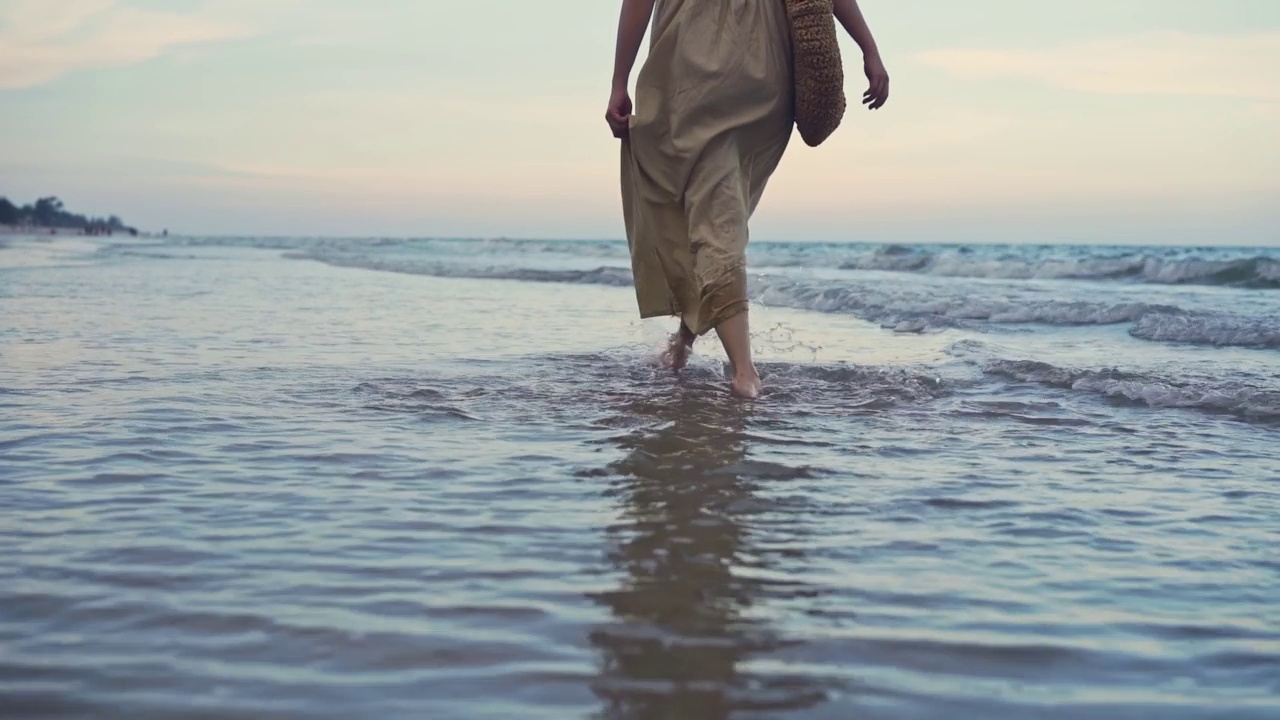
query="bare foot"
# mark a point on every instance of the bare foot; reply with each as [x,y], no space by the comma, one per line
[746,385]
[678,348]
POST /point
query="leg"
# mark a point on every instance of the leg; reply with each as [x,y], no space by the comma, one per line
[735,335]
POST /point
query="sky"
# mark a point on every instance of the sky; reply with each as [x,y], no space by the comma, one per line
[1098,121]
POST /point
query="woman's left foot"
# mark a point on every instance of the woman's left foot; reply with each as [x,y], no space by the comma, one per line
[746,386]
[678,349]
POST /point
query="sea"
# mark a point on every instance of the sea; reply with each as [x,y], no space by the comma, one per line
[320,478]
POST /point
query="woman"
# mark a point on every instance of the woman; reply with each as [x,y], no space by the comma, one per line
[713,118]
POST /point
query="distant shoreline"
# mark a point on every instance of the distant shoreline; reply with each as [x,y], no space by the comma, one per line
[33,231]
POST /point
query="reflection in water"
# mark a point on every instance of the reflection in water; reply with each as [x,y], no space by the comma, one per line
[684,626]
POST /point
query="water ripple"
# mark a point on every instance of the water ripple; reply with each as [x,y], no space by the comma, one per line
[275,489]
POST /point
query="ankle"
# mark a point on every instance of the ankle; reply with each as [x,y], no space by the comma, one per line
[686,335]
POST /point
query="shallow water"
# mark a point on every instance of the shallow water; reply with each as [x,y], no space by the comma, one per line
[238,482]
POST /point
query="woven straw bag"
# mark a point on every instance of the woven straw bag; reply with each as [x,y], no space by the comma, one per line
[819,69]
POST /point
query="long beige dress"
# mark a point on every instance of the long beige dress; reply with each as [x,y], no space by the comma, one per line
[713,117]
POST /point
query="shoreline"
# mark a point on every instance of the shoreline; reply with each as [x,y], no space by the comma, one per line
[15,230]
[37,232]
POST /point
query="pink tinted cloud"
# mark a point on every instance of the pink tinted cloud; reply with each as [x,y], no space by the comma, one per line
[1163,63]
[42,41]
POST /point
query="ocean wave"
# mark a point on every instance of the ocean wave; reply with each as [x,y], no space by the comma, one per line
[928,309]
[1258,271]
[899,308]
[1208,329]
[1231,396]
[603,275]
[322,247]
[1244,268]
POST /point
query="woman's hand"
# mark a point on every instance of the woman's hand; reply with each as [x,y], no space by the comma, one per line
[619,113]
[877,93]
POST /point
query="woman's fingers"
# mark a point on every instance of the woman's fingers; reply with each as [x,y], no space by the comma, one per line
[615,120]
[877,94]
[618,115]
[617,123]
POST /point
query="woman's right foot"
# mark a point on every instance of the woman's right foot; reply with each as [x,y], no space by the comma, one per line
[735,335]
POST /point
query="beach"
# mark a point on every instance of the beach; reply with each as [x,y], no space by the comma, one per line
[336,478]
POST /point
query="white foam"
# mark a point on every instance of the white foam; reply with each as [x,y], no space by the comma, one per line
[1230,396]
[1208,329]
[1252,271]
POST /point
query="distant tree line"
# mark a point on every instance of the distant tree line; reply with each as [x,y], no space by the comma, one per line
[49,212]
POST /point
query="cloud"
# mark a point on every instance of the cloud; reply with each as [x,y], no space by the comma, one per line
[40,43]
[1267,111]
[1158,63]
[33,22]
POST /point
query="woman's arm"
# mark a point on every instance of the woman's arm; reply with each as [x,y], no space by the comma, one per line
[850,16]
[632,25]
